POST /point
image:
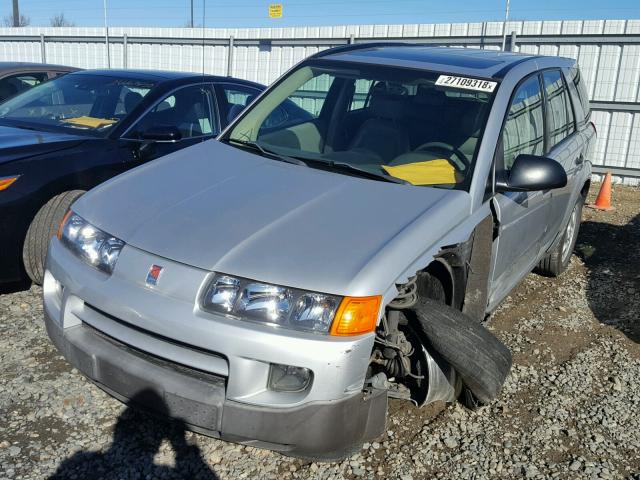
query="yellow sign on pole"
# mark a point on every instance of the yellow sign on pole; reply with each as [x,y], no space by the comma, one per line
[275,10]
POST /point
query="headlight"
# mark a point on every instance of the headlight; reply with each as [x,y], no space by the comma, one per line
[272,304]
[94,246]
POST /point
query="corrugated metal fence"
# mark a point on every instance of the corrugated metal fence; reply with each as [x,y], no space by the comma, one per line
[608,53]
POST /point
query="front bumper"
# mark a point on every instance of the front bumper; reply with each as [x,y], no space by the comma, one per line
[215,386]
[326,429]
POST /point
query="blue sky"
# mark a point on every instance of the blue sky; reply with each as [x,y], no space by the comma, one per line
[253,13]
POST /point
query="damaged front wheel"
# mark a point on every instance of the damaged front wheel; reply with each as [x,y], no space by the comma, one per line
[479,357]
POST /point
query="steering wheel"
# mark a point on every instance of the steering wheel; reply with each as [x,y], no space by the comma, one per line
[466,163]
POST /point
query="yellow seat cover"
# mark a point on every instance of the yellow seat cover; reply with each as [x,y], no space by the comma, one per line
[431,172]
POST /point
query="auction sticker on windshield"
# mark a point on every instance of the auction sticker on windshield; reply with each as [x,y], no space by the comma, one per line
[466,83]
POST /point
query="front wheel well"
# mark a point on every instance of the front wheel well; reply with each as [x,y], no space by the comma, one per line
[436,282]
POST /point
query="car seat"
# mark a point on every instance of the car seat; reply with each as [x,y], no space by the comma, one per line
[131,100]
[383,133]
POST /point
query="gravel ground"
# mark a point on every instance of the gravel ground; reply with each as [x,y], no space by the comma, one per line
[570,407]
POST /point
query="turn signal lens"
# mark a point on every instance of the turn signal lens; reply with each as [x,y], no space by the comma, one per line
[62,223]
[6,182]
[356,315]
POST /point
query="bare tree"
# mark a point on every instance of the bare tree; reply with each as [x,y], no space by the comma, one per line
[23,21]
[60,21]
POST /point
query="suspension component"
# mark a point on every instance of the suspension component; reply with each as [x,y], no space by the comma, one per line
[401,362]
[395,349]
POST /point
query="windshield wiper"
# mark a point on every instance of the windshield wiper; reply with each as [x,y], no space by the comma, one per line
[336,166]
[265,152]
[348,168]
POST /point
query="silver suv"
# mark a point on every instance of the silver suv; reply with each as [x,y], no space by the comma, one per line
[277,286]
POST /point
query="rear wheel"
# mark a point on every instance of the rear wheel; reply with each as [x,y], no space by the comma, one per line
[42,228]
[557,260]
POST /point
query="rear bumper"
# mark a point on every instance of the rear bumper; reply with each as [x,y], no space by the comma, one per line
[325,429]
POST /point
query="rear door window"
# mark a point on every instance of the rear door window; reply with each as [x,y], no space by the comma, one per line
[559,110]
[524,129]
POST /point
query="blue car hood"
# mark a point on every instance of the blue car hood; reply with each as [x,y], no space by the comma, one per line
[223,209]
[17,143]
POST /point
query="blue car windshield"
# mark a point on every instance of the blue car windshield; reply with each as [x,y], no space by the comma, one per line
[76,102]
[416,126]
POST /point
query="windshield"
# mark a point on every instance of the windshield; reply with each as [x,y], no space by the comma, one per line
[81,102]
[418,126]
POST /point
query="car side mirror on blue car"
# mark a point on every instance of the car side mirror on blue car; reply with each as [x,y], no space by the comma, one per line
[162,133]
[531,173]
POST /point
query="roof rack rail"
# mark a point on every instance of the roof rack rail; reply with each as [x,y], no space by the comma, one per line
[357,46]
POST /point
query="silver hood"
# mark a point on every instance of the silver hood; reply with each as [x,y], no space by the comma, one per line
[222,209]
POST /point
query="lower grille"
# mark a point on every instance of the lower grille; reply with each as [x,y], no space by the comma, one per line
[150,357]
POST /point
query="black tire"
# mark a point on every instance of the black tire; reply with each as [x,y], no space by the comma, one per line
[555,263]
[42,228]
[482,361]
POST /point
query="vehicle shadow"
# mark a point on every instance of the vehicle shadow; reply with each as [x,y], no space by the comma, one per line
[15,287]
[137,438]
[612,255]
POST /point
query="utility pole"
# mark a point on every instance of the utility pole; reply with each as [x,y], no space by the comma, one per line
[106,34]
[191,24]
[16,14]
[504,29]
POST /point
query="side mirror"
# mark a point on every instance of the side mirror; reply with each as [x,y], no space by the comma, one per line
[162,134]
[531,173]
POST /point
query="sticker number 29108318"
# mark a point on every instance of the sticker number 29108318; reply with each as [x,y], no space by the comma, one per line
[466,83]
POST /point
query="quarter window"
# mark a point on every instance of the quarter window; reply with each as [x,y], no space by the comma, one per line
[583,95]
[559,113]
[524,129]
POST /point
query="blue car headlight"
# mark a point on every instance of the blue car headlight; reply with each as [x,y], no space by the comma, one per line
[97,248]
[271,304]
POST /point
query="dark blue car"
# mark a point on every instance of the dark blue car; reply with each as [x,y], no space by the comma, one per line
[61,138]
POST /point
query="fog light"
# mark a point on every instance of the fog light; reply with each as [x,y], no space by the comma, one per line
[285,378]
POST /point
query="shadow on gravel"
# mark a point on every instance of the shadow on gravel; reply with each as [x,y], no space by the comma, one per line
[14,287]
[136,440]
[612,255]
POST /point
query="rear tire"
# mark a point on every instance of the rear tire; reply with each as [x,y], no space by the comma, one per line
[482,361]
[557,260]
[42,228]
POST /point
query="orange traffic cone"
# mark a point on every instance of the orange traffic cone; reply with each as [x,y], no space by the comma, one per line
[603,201]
